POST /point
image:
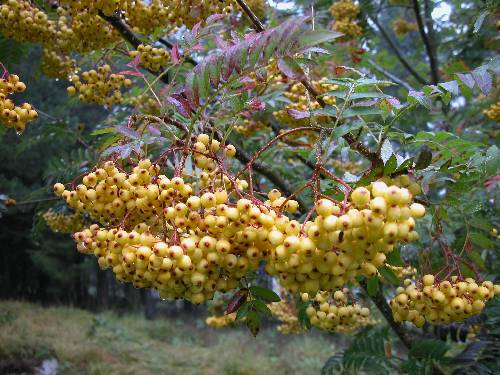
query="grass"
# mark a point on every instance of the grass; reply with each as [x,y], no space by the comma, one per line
[95,344]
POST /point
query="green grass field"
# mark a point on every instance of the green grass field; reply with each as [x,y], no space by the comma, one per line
[87,343]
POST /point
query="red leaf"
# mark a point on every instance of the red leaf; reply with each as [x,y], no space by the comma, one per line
[237,301]
[196,29]
[135,62]
[297,115]
[289,67]
[176,59]
[131,73]
[214,18]
[180,104]
[256,104]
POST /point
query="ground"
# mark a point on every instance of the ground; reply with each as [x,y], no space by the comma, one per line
[87,343]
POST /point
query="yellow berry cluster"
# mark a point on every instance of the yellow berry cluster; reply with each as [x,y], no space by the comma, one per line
[341,244]
[441,302]
[249,127]
[402,272]
[22,21]
[221,321]
[81,29]
[494,233]
[150,57]
[402,27]
[63,222]
[493,112]
[99,86]
[286,313]
[12,116]
[57,65]
[333,312]
[299,102]
[345,13]
[144,103]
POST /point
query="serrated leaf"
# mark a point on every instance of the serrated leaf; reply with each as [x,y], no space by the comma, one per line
[289,67]
[311,38]
[479,20]
[389,275]
[342,130]
[391,165]
[386,151]
[394,258]
[264,293]
[253,322]
[372,286]
[476,258]
[103,131]
[481,240]
[261,307]
[428,348]
[237,301]
[424,159]
[128,132]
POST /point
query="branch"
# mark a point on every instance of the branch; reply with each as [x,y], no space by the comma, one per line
[127,33]
[381,303]
[169,45]
[266,171]
[431,53]
[349,137]
[35,201]
[390,75]
[398,54]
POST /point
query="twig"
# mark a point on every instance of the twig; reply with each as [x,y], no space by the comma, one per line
[390,75]
[35,201]
[169,45]
[425,38]
[398,54]
[349,138]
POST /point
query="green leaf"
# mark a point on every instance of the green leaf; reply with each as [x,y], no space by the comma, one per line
[428,348]
[372,286]
[389,275]
[311,38]
[103,131]
[264,293]
[481,240]
[480,19]
[261,307]
[253,320]
[361,111]
[476,258]
[302,315]
[391,165]
[394,258]
[342,130]
[386,151]
[424,159]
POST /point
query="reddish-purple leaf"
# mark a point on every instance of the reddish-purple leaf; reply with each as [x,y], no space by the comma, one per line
[181,104]
[467,79]
[291,68]
[297,115]
[135,62]
[256,104]
[197,48]
[221,43]
[213,18]
[238,299]
[483,80]
[196,29]
[136,73]
[174,53]
[153,130]
[128,132]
